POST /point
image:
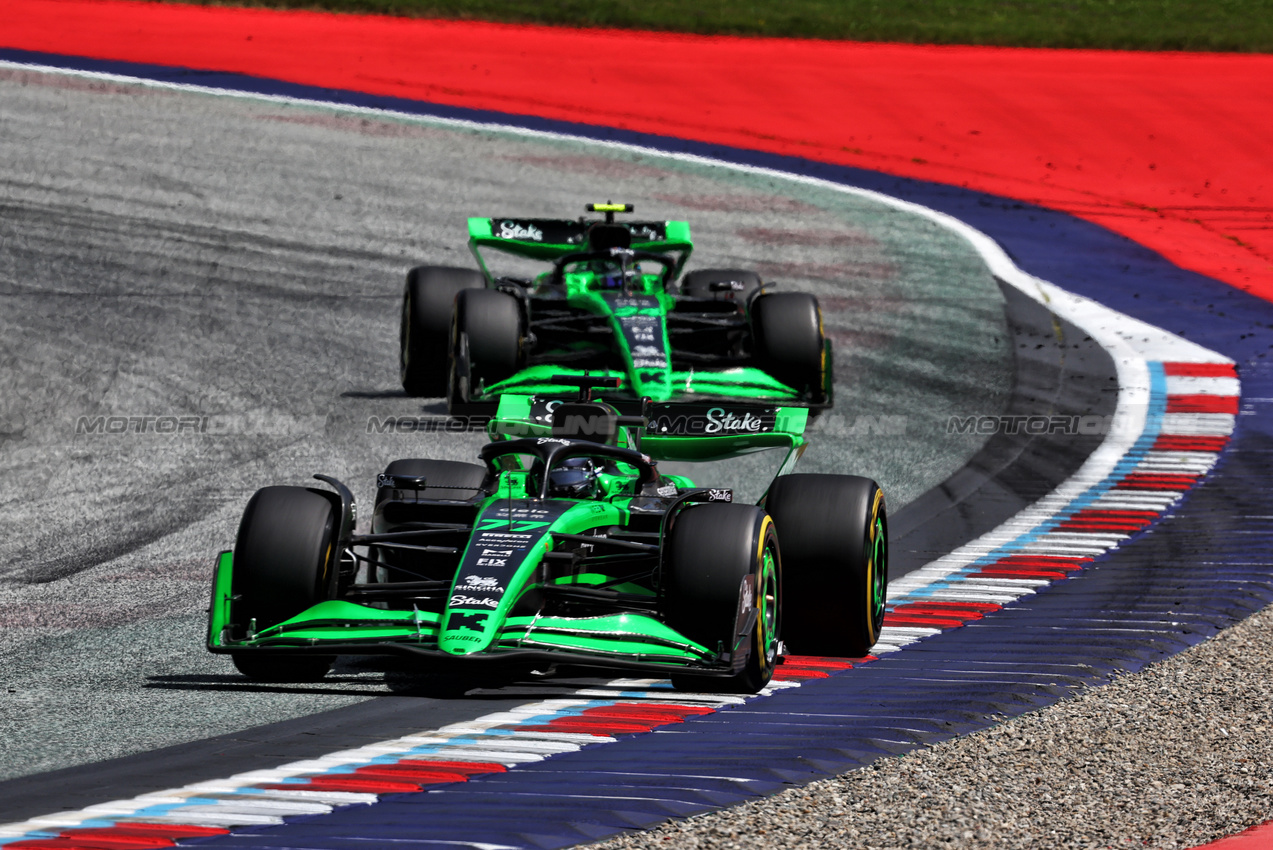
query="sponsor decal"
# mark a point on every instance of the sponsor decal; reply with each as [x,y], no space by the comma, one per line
[520,230]
[666,490]
[721,420]
[480,584]
[459,600]
[559,441]
[630,303]
[541,410]
[497,553]
[644,232]
[492,562]
[473,622]
[720,495]
[699,420]
[640,330]
[648,363]
[647,351]
[506,539]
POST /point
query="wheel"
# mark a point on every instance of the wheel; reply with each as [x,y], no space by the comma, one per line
[284,562]
[787,333]
[426,325]
[698,284]
[721,561]
[834,530]
[486,339]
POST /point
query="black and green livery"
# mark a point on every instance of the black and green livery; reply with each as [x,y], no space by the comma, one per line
[615,302]
[565,544]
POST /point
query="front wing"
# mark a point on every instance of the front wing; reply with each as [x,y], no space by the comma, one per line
[622,641]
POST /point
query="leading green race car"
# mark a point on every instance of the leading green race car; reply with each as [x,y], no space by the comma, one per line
[613,303]
[564,546]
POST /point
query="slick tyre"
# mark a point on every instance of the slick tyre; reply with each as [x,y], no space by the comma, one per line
[722,563]
[486,338]
[284,561]
[423,339]
[834,530]
[741,285]
[788,340]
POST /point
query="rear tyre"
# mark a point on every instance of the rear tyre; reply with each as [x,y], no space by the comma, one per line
[486,340]
[284,562]
[698,284]
[722,562]
[834,530]
[787,332]
[426,325]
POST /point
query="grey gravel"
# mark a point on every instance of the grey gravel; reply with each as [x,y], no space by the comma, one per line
[1175,755]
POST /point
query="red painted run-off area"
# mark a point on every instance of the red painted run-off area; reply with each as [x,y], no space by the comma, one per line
[1172,150]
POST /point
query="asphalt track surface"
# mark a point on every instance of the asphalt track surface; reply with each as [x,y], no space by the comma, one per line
[180,255]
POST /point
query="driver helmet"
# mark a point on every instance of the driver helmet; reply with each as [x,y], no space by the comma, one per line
[573,478]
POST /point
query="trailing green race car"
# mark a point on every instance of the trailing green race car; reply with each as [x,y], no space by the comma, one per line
[614,302]
[567,545]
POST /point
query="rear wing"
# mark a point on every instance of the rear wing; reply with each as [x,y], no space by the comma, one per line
[550,238]
[675,431]
[682,431]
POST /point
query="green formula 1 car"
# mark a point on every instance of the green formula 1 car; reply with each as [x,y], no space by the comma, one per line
[564,545]
[613,302]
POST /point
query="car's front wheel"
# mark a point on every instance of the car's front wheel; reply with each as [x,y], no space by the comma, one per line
[721,565]
[284,562]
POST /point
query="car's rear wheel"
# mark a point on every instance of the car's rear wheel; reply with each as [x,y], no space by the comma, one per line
[284,562]
[487,340]
[834,531]
[788,339]
[426,325]
[721,563]
[735,285]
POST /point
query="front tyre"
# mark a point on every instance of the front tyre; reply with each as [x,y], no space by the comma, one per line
[284,562]
[721,564]
[427,302]
[834,530]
